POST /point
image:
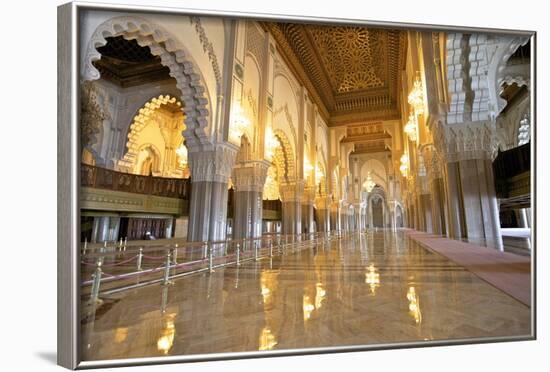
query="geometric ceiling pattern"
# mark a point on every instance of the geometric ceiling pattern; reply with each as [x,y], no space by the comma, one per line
[352,56]
[352,72]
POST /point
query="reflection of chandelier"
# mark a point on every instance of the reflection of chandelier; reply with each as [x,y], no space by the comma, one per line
[271,143]
[239,123]
[181,152]
[416,96]
[414,305]
[372,278]
[404,167]
[369,183]
[411,128]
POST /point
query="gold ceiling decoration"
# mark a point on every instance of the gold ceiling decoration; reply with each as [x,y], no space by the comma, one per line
[353,57]
[351,72]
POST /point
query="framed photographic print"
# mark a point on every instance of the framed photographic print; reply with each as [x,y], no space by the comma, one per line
[236,185]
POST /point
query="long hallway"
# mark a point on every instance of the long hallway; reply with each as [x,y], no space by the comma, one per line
[366,289]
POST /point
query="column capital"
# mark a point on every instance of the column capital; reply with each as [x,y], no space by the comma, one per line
[213,164]
[291,191]
[250,175]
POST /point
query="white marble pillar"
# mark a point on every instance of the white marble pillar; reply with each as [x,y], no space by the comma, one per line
[291,196]
[248,179]
[210,172]
[455,219]
[334,216]
[438,208]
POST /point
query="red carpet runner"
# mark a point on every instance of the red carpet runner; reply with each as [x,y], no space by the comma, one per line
[506,271]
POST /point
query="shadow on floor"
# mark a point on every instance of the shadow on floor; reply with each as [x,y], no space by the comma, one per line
[48,356]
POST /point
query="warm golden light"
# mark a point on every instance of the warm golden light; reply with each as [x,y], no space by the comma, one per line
[369,183]
[308,307]
[372,278]
[416,96]
[411,128]
[271,143]
[121,334]
[239,124]
[414,305]
[267,339]
[320,294]
[404,167]
[166,339]
[307,166]
[181,152]
[318,175]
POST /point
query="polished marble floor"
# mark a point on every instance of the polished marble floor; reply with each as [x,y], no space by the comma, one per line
[373,288]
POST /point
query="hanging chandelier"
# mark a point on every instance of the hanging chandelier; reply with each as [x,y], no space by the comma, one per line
[307,165]
[181,152]
[416,96]
[271,143]
[411,128]
[404,167]
[239,123]
[369,183]
[318,175]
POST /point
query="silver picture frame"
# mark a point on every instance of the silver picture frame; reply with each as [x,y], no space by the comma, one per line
[68,187]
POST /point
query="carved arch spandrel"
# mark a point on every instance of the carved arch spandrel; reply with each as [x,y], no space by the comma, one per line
[173,55]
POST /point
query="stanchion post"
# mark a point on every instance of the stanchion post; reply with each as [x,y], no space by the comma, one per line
[205,250]
[166,280]
[94,299]
[238,255]
[85,246]
[175,255]
[140,259]
[210,258]
[125,242]
[255,251]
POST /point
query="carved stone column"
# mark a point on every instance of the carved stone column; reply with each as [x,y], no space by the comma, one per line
[307,209]
[357,218]
[248,179]
[291,197]
[334,216]
[322,205]
[471,198]
[210,171]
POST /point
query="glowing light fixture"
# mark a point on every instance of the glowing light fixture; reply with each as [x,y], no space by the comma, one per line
[369,183]
[416,96]
[411,128]
[271,143]
[307,165]
[239,123]
[318,175]
[404,167]
[181,152]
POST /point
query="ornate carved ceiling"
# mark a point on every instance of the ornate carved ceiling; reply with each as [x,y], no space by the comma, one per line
[126,63]
[352,72]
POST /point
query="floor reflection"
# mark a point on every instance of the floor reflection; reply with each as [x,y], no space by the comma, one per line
[375,288]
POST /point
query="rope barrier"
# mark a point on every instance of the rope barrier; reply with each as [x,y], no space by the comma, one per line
[254,252]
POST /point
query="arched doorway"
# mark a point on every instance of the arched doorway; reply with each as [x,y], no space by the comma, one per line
[377,212]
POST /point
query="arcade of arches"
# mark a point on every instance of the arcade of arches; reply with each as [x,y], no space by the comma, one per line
[209,129]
